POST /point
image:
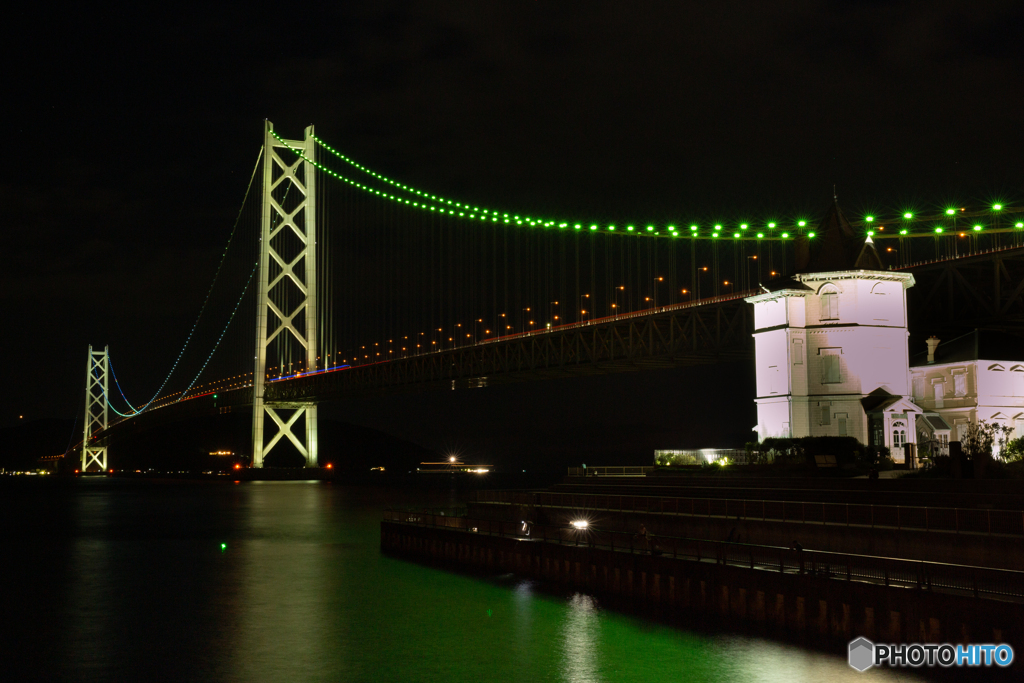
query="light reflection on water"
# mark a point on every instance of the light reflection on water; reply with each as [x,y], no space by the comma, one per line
[582,638]
[128,581]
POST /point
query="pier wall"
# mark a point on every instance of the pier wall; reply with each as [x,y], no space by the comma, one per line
[823,609]
[935,546]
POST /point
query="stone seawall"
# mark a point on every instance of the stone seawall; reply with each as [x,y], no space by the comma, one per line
[827,610]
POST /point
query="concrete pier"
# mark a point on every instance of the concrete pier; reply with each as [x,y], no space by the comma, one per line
[824,609]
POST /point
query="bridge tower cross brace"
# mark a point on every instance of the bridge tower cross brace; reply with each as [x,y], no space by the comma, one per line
[96,374]
[298,273]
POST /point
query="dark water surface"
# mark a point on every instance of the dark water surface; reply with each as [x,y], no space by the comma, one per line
[122,580]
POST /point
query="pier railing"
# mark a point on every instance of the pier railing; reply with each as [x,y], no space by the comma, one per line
[981,582]
[954,520]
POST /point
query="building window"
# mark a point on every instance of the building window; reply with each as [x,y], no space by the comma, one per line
[826,415]
[798,352]
[841,423]
[899,434]
[831,370]
[1018,380]
[883,306]
[829,303]
[960,384]
[919,388]
[773,379]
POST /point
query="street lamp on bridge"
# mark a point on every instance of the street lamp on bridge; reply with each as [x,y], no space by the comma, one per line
[658,280]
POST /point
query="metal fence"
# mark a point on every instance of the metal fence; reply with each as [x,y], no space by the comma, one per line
[637,471]
[981,582]
[954,520]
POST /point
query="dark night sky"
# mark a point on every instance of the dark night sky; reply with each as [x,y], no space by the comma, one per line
[134,130]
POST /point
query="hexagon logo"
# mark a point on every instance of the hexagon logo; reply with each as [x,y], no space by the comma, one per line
[862,654]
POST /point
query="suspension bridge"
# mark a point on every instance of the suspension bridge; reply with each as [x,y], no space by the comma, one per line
[351,282]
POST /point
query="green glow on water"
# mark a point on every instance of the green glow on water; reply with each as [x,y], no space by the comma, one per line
[308,596]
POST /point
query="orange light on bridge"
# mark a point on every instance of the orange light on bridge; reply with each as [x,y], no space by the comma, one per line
[329,466]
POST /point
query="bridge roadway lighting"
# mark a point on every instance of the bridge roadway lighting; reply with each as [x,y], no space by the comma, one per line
[657,280]
[747,270]
[615,306]
[583,311]
[702,269]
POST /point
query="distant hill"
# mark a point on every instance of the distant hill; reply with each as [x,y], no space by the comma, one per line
[21,445]
[187,445]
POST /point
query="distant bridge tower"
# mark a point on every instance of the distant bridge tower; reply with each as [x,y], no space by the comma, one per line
[287,286]
[96,375]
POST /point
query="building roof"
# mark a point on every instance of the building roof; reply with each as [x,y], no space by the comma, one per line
[784,283]
[868,259]
[877,400]
[835,246]
[975,345]
[880,400]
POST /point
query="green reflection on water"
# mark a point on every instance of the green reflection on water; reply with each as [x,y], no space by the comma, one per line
[366,616]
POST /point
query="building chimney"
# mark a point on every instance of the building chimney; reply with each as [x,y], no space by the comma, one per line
[932,343]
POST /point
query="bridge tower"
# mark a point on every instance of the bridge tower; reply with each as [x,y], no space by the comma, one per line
[287,286]
[96,374]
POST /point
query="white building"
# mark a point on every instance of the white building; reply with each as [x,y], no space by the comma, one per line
[831,355]
[831,346]
[977,376]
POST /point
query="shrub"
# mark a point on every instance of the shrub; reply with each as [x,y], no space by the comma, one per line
[1013,451]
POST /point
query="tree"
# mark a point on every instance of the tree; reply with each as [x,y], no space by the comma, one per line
[979,438]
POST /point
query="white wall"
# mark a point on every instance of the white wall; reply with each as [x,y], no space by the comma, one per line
[868,336]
